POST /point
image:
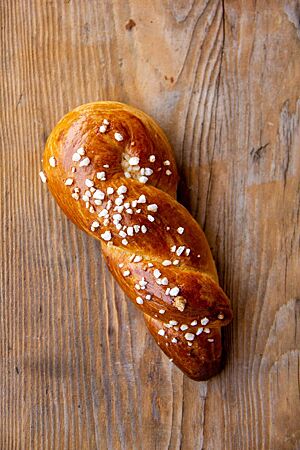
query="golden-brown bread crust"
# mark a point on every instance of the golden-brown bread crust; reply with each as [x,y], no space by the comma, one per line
[201,361]
[111,170]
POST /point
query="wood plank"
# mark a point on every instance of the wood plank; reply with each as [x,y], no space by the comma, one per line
[78,369]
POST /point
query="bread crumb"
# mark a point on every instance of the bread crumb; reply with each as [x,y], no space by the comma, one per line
[130,24]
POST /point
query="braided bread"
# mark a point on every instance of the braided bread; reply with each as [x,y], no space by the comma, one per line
[111,170]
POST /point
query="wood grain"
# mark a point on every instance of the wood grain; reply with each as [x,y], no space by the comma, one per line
[78,370]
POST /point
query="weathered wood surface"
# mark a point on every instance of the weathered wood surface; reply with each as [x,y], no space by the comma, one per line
[78,369]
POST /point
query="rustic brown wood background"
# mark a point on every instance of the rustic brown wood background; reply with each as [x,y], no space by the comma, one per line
[77,368]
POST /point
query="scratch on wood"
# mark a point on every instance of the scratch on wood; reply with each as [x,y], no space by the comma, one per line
[257,153]
[20,98]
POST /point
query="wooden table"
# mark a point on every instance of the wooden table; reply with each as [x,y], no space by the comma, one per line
[78,369]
